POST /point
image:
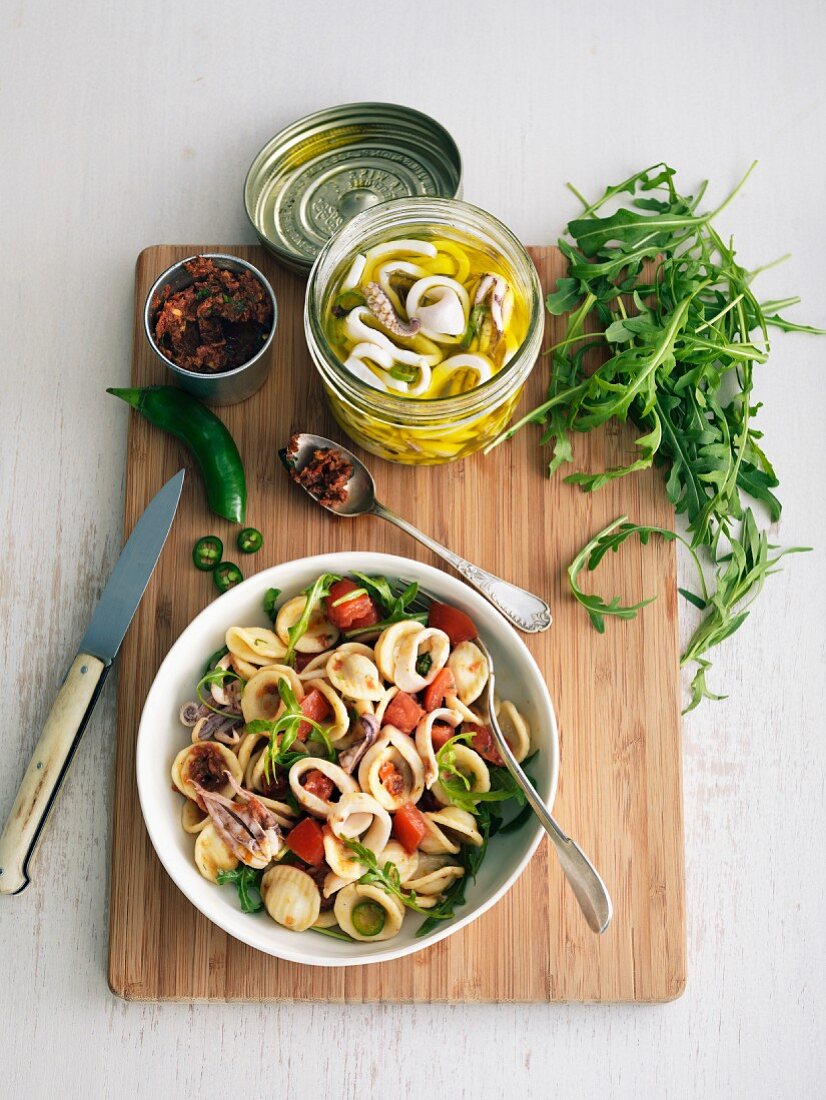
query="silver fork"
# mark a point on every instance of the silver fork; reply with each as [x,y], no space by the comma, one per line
[583,878]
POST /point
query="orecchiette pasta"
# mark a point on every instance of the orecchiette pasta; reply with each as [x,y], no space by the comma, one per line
[472,767]
[204,765]
[320,634]
[516,730]
[254,644]
[355,676]
[261,697]
[326,785]
[211,853]
[291,897]
[470,671]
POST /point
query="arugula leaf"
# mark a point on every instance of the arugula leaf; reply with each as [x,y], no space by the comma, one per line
[247,882]
[314,594]
[270,600]
[283,732]
[217,676]
[739,576]
[213,660]
[394,605]
[333,933]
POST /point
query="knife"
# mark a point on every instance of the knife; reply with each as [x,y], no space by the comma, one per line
[82,685]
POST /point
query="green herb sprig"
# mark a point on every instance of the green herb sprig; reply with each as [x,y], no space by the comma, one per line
[386,877]
[396,606]
[217,676]
[456,784]
[283,733]
[314,593]
[739,576]
[247,882]
[269,602]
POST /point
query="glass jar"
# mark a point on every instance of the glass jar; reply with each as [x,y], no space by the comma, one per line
[414,430]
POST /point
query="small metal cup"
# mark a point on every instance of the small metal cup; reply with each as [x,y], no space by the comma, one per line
[227,387]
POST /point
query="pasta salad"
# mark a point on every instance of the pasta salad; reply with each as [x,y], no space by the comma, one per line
[340,772]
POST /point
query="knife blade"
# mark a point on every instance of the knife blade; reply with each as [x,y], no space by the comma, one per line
[81,686]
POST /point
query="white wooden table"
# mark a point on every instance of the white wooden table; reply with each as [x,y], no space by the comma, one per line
[124,125]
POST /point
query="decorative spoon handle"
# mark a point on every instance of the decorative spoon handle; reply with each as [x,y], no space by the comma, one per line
[525,610]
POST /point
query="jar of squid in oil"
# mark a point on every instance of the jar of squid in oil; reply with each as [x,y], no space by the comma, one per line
[424,319]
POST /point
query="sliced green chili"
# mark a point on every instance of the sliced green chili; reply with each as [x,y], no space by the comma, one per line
[207,552]
[226,576]
[250,540]
[368,918]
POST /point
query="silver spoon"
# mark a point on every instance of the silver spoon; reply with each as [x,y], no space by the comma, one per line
[589,889]
[525,610]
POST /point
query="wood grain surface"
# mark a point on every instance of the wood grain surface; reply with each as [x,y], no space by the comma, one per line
[617,699]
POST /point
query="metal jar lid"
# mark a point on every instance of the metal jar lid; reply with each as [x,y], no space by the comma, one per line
[324,169]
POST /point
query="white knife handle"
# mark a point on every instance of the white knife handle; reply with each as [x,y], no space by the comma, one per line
[48,766]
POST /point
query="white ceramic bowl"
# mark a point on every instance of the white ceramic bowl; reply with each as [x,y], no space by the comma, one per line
[161,735]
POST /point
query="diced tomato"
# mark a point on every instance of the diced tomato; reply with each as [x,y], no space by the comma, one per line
[455,623]
[409,827]
[319,784]
[440,734]
[484,743]
[306,841]
[360,611]
[391,778]
[315,706]
[403,712]
[370,618]
[434,694]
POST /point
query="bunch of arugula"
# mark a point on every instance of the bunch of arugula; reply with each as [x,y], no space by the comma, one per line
[680,331]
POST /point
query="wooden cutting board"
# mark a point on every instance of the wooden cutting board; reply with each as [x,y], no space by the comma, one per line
[617,697]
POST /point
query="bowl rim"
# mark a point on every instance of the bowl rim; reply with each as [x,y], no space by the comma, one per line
[164,276]
[146,764]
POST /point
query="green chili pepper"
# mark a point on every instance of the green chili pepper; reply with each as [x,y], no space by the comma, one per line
[250,540]
[207,552]
[368,918]
[212,446]
[226,576]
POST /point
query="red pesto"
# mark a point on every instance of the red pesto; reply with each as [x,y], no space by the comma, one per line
[325,476]
[217,323]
